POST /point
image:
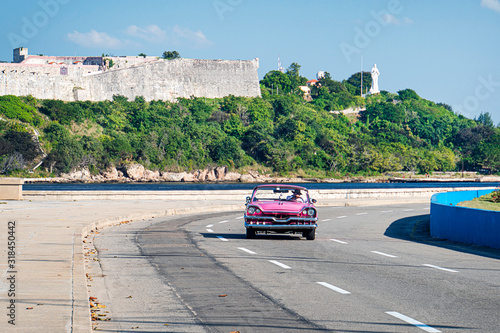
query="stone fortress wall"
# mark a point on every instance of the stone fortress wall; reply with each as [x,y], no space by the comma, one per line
[88,78]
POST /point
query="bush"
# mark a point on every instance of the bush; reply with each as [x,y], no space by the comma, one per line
[12,107]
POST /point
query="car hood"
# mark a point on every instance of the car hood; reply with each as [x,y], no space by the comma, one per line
[281,206]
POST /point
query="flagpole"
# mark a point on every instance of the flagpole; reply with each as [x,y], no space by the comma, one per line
[361,76]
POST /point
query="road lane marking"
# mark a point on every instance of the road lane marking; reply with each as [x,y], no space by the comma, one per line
[387,211]
[225,221]
[337,289]
[247,250]
[441,268]
[280,264]
[341,217]
[325,220]
[413,322]
[239,218]
[210,230]
[361,213]
[210,226]
[338,241]
[384,254]
[222,239]
[408,210]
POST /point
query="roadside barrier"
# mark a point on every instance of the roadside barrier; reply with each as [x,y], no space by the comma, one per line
[463,224]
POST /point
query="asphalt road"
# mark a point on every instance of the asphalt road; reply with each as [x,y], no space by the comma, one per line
[370,269]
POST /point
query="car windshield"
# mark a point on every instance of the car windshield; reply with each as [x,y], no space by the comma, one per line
[279,193]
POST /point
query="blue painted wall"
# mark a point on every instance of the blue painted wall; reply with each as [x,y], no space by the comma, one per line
[467,225]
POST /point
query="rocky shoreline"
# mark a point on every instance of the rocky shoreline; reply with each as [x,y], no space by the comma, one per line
[137,173]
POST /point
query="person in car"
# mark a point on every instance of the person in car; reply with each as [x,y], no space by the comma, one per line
[296,195]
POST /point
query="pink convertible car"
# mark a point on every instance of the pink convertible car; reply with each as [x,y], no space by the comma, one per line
[281,209]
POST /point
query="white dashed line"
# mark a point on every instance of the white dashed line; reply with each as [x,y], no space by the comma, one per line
[224,221]
[222,239]
[384,254]
[239,218]
[210,230]
[246,250]
[338,241]
[341,217]
[280,264]
[325,220]
[412,322]
[361,213]
[210,226]
[387,211]
[337,289]
[427,208]
[408,210]
[441,268]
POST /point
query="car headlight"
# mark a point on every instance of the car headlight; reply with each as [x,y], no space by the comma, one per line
[253,210]
[311,212]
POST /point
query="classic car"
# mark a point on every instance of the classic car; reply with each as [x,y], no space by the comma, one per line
[281,209]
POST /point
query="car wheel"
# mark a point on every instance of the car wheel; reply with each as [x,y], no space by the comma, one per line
[311,234]
[250,233]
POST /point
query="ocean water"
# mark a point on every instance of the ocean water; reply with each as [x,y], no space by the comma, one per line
[236,186]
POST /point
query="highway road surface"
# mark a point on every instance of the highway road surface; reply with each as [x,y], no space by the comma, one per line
[370,269]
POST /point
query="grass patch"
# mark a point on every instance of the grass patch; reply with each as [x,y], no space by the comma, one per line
[488,202]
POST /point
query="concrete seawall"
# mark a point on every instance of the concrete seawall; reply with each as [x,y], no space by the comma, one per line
[324,197]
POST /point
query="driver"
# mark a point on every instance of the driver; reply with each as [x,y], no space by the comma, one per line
[295,195]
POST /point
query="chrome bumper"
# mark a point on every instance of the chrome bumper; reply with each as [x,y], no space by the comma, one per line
[280,226]
[273,219]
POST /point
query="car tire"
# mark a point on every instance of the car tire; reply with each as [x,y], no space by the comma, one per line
[311,234]
[250,233]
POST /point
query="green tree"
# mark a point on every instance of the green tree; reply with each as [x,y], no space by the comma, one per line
[170,55]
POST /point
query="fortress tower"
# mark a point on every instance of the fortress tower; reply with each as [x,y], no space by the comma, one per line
[20,54]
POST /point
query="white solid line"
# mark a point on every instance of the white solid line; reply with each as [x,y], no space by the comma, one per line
[325,220]
[222,239]
[338,241]
[280,264]
[384,254]
[210,226]
[361,213]
[341,217]
[413,322]
[246,250]
[337,289]
[441,268]
[210,230]
[224,221]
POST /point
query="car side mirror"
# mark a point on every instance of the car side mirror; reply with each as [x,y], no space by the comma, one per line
[248,199]
[314,200]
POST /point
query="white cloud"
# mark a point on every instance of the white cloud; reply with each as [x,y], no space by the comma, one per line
[152,33]
[95,39]
[491,4]
[391,19]
[197,38]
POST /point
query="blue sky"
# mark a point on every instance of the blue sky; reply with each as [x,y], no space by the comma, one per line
[447,51]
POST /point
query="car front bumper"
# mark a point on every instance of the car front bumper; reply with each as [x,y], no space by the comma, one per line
[271,223]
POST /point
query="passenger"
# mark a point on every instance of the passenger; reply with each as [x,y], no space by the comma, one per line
[295,196]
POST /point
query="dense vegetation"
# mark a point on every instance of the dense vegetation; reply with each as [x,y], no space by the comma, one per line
[280,132]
